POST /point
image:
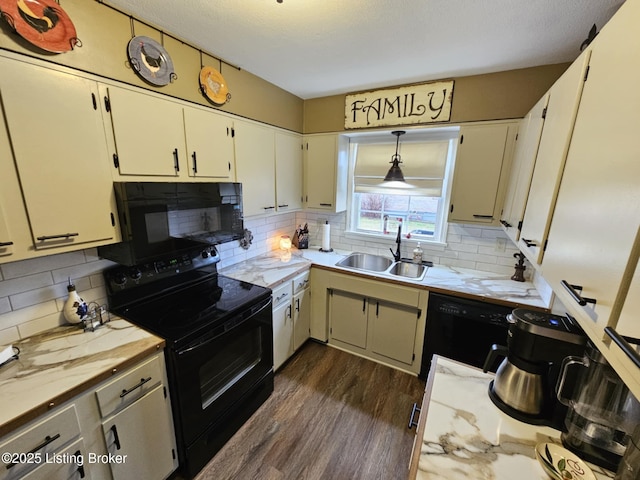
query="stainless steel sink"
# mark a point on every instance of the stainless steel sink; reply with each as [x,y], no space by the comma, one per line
[407,270]
[383,265]
[366,261]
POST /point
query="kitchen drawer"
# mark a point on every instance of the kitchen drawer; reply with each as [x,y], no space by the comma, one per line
[45,437]
[73,464]
[129,386]
[301,281]
[282,294]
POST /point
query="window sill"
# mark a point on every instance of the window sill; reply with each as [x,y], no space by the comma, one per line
[385,239]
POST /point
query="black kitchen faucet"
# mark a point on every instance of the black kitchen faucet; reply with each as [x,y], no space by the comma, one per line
[396,255]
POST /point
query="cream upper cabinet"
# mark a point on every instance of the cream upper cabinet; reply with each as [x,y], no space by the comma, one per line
[6,240]
[564,98]
[288,171]
[209,143]
[60,154]
[481,172]
[325,172]
[255,168]
[524,159]
[148,133]
[594,232]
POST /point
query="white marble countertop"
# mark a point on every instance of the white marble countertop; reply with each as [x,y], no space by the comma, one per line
[275,267]
[61,363]
[467,437]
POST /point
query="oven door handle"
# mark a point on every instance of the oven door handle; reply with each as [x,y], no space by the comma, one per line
[205,341]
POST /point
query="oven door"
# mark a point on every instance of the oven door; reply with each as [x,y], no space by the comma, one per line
[210,376]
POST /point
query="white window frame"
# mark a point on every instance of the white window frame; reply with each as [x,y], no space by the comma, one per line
[440,233]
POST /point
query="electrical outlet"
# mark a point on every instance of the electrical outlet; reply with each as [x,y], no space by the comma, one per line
[501,244]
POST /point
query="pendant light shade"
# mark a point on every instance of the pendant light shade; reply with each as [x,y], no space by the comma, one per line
[395,172]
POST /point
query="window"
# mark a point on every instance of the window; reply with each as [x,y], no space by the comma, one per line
[427,159]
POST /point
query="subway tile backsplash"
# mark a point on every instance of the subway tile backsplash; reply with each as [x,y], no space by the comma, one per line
[33,292]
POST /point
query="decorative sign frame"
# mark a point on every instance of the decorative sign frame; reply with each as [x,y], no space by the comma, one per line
[423,103]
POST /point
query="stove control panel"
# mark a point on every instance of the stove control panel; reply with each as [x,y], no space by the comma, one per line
[122,277]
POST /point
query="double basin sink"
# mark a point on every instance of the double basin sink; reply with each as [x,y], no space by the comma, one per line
[383,265]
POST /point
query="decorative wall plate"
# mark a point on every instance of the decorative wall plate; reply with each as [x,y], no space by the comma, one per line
[213,86]
[41,22]
[150,60]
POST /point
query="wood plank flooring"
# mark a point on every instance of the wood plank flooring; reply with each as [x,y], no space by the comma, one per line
[333,416]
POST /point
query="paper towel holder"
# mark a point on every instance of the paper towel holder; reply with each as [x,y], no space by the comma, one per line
[329,249]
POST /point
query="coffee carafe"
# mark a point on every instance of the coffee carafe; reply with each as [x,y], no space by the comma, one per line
[524,386]
[602,412]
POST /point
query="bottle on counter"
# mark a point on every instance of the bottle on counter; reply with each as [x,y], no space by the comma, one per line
[75,308]
[417,254]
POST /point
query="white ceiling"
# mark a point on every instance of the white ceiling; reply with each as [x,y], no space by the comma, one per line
[314,48]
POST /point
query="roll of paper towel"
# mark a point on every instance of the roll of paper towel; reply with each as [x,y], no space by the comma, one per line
[326,237]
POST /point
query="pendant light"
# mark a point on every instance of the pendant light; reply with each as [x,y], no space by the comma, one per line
[395,178]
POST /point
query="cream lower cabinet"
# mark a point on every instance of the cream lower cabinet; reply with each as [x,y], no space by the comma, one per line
[60,154]
[524,159]
[481,172]
[120,429]
[6,242]
[383,322]
[291,317]
[564,98]
[325,172]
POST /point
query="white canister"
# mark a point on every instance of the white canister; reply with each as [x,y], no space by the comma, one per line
[75,308]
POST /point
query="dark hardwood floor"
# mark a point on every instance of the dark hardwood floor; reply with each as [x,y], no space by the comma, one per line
[333,416]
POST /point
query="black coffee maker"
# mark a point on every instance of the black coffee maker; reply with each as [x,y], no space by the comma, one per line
[525,383]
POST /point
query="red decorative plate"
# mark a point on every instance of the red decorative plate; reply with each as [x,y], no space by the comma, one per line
[41,22]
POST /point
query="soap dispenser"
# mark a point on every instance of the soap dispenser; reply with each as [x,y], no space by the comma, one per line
[417,254]
[75,308]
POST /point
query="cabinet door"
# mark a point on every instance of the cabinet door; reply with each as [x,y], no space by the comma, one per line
[479,166]
[288,171]
[255,167]
[320,171]
[60,153]
[564,97]
[596,219]
[394,330]
[524,159]
[348,318]
[282,334]
[209,145]
[6,242]
[301,317]
[142,432]
[148,133]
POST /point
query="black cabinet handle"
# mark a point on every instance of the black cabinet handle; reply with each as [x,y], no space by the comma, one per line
[53,237]
[289,310]
[326,204]
[195,162]
[269,208]
[6,244]
[505,223]
[297,304]
[412,422]
[529,243]
[116,439]
[364,304]
[135,387]
[47,440]
[283,206]
[482,216]
[573,291]
[176,162]
[625,345]
[377,308]
[80,469]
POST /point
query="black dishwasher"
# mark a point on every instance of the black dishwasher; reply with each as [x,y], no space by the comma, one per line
[462,329]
